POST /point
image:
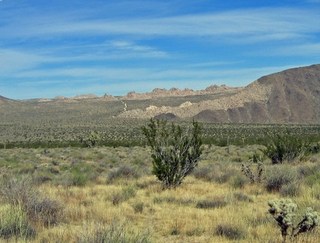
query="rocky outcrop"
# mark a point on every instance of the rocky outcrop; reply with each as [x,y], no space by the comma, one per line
[290,96]
[161,93]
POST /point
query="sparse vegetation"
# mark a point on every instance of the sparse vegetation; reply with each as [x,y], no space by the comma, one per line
[115,192]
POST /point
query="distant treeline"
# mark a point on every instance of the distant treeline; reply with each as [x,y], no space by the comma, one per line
[128,134]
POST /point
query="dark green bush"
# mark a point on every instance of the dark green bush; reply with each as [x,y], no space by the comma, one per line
[284,146]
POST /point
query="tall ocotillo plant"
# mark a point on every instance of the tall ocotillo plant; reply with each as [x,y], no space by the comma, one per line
[175,151]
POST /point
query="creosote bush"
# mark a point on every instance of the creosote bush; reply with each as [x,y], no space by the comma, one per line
[175,151]
[284,146]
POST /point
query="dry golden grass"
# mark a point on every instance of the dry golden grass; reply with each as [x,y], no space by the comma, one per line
[140,206]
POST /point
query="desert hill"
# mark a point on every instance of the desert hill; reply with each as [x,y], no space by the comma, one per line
[6,102]
[290,96]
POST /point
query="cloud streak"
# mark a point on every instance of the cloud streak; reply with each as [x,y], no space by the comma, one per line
[273,23]
[148,43]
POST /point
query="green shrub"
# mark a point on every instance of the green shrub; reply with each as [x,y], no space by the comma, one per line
[22,193]
[215,203]
[48,212]
[175,153]
[122,172]
[138,207]
[14,223]
[292,189]
[124,195]
[305,170]
[278,176]
[313,179]
[81,173]
[230,232]
[240,196]
[19,191]
[115,233]
[286,147]
[220,173]
[239,181]
[79,179]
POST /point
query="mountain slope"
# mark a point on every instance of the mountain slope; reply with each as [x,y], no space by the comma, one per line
[289,96]
[5,101]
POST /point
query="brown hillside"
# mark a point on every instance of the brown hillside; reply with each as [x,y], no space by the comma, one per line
[5,101]
[289,96]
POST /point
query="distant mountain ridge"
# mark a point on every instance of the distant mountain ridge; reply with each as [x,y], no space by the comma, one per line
[290,96]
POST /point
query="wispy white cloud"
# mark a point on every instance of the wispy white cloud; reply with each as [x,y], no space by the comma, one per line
[139,45]
[13,60]
[306,49]
[271,23]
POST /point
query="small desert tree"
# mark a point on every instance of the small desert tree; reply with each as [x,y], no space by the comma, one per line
[175,151]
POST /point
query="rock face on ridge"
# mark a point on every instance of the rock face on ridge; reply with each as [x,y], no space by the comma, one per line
[160,93]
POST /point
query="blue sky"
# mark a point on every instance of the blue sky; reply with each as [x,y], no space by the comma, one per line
[67,48]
